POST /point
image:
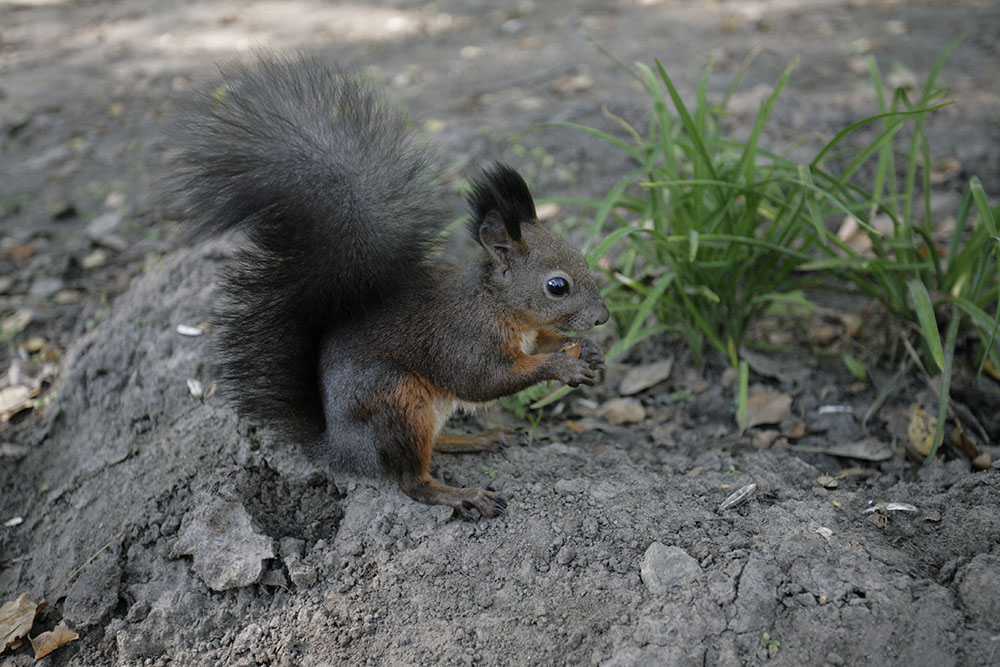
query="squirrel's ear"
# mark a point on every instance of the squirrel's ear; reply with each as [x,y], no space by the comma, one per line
[501,192]
[494,237]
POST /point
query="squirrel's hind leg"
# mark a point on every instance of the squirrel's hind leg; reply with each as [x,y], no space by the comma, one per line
[406,454]
[490,441]
[425,489]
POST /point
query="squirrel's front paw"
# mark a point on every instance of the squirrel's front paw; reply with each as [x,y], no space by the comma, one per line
[571,371]
[591,354]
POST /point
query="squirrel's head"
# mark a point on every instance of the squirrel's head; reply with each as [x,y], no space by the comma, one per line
[543,281]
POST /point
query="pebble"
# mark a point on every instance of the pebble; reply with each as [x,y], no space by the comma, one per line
[664,567]
[979,587]
[97,258]
[44,287]
[623,411]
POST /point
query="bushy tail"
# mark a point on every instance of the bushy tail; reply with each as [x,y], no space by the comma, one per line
[334,195]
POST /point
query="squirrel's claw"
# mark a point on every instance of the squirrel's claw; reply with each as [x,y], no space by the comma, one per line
[487,502]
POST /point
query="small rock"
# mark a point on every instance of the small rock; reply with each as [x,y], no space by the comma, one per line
[104,224]
[61,210]
[289,546]
[663,435]
[44,287]
[114,200]
[66,296]
[471,52]
[95,259]
[983,461]
[979,588]
[640,378]
[565,555]
[303,575]
[664,567]
[623,411]
[228,552]
[105,230]
[547,211]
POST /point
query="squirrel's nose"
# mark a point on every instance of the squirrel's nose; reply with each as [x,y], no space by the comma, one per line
[603,316]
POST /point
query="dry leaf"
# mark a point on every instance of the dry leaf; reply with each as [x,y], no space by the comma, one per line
[821,334]
[13,400]
[869,449]
[961,439]
[640,378]
[827,482]
[921,430]
[49,641]
[764,439]
[16,617]
[768,407]
[797,430]
[623,411]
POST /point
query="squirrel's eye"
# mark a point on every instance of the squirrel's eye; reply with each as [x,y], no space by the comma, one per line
[557,286]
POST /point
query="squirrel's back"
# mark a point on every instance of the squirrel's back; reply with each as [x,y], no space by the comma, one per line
[337,201]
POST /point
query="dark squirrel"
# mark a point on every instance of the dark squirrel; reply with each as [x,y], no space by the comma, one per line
[336,326]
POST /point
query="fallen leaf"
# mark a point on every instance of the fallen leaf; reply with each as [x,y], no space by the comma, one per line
[13,400]
[860,240]
[858,473]
[921,430]
[768,407]
[944,170]
[19,251]
[16,617]
[856,367]
[869,449]
[640,378]
[764,439]
[797,430]
[961,439]
[827,482]
[49,641]
[12,325]
[821,334]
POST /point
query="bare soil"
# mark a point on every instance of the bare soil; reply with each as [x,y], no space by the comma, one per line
[164,532]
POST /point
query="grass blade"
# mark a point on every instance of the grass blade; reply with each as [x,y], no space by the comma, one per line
[928,322]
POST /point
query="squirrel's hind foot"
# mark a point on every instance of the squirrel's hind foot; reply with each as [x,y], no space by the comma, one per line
[426,489]
[490,441]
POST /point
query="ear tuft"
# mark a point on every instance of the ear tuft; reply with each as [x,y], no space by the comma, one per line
[501,190]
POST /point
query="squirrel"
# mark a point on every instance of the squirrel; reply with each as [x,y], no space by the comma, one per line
[338,326]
